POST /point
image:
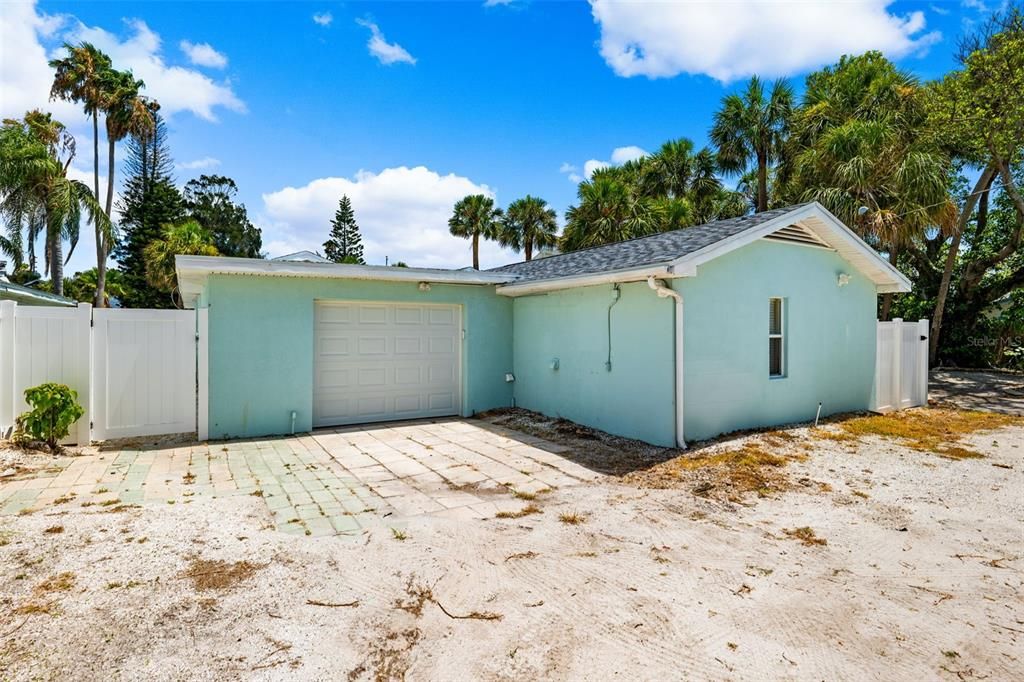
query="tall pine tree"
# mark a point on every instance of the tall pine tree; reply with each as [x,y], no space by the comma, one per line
[345,244]
[149,201]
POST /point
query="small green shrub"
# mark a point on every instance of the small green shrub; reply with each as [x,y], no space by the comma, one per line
[54,409]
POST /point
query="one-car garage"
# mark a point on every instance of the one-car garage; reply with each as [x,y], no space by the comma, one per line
[385,361]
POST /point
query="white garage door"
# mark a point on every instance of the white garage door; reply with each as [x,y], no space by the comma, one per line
[385,361]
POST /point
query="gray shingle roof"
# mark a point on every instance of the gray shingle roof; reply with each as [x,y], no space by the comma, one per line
[651,250]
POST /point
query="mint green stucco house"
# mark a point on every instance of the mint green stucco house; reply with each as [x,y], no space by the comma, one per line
[678,336]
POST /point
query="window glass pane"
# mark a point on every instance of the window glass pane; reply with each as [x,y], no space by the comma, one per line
[775,357]
[774,315]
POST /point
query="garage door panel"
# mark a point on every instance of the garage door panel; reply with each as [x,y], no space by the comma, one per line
[376,362]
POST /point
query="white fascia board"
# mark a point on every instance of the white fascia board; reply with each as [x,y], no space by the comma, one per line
[895,282]
[571,282]
[193,271]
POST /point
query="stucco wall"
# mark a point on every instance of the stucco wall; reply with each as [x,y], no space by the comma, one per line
[830,339]
[635,398]
[261,346]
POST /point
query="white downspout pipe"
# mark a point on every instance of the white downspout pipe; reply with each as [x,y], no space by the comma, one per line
[664,292]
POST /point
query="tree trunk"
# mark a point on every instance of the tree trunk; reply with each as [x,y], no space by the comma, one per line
[56,258]
[528,249]
[100,255]
[762,183]
[984,182]
[102,247]
[476,251]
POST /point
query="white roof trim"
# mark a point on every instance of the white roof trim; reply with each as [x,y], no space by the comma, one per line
[193,272]
[541,286]
[818,220]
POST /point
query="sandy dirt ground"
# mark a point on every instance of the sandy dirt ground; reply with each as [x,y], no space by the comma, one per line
[921,576]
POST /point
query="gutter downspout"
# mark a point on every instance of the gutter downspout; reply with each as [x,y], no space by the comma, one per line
[664,292]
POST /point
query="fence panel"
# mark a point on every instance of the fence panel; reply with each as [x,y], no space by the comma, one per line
[901,365]
[39,345]
[144,372]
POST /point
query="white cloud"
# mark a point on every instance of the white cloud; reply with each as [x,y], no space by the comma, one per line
[938,10]
[385,52]
[203,54]
[619,156]
[402,213]
[199,164]
[176,88]
[25,77]
[497,3]
[323,18]
[731,40]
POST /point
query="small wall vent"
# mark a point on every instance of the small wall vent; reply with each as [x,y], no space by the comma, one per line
[798,234]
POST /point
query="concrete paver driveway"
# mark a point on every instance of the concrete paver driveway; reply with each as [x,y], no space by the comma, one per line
[332,481]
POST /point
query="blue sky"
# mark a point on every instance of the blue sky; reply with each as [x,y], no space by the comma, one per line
[408,106]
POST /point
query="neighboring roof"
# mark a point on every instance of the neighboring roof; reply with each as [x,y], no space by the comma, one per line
[193,272]
[303,257]
[656,248]
[9,291]
[679,252]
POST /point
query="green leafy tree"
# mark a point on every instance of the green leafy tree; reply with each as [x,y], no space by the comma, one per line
[149,201]
[187,238]
[345,244]
[210,201]
[977,113]
[36,193]
[750,131]
[82,77]
[475,217]
[54,409]
[529,223]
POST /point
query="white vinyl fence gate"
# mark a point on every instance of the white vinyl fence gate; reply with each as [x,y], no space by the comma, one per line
[135,370]
[901,365]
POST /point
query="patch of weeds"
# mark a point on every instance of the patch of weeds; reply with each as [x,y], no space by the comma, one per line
[731,474]
[951,655]
[218,575]
[142,540]
[37,607]
[257,493]
[399,535]
[523,495]
[27,511]
[114,585]
[60,582]
[100,491]
[53,530]
[5,537]
[753,570]
[733,646]
[88,504]
[64,499]
[937,430]
[806,535]
[109,503]
[859,493]
[587,555]
[189,478]
[571,518]
[171,502]
[121,508]
[658,554]
[525,511]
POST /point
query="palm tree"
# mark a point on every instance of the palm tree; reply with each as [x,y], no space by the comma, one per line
[80,77]
[475,216]
[187,238]
[127,113]
[36,192]
[752,127]
[529,223]
[610,211]
[859,147]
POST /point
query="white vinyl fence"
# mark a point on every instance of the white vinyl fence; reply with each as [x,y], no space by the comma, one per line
[901,365]
[135,370]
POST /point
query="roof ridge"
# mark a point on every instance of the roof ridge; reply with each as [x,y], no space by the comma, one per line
[783,210]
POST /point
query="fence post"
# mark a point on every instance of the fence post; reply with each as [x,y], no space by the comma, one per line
[84,363]
[202,374]
[924,331]
[8,311]
[897,362]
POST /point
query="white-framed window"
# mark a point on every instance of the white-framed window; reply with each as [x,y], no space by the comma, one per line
[776,337]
